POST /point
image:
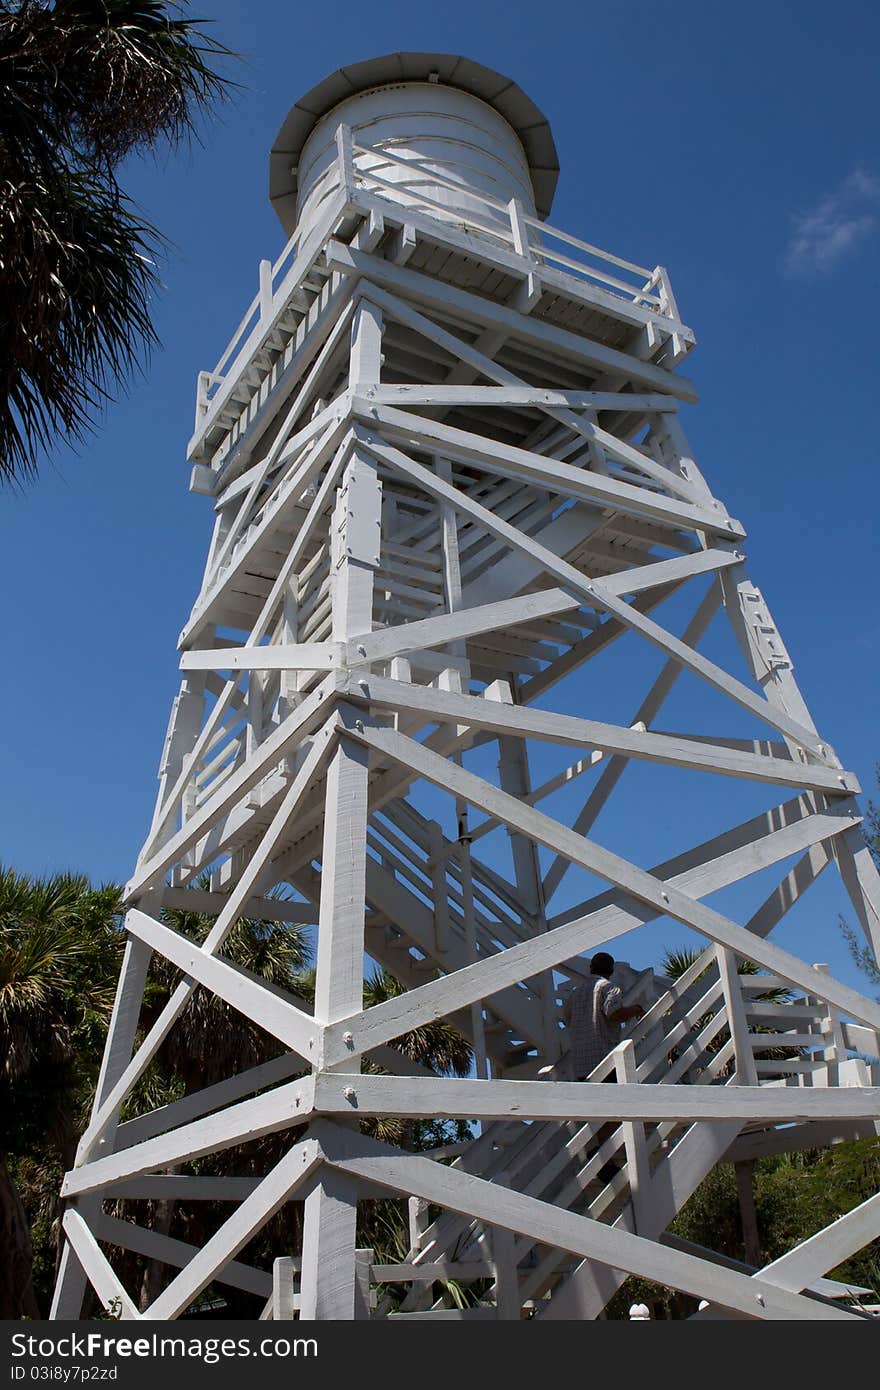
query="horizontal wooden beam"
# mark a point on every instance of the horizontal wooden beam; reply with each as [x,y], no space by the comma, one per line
[625,402]
[426,1097]
[266,1114]
[522,722]
[566,479]
[305,656]
[425,289]
[458,626]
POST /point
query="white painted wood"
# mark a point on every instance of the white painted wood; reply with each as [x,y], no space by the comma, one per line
[421,289]
[637,1158]
[454,627]
[305,656]
[645,715]
[283,1107]
[541,952]
[311,712]
[275,1189]
[329,1269]
[559,728]
[285,1275]
[627,614]
[357,530]
[543,1222]
[244,992]
[827,1248]
[581,425]
[746,1072]
[93,1260]
[512,461]
[579,1100]
[232,909]
[399,395]
[179,1252]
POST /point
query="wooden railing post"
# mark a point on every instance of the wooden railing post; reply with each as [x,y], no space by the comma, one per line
[266,294]
[530,291]
[285,1272]
[832,1033]
[345,156]
[746,1070]
[669,307]
[635,1143]
[202,402]
[364,1297]
[503,1244]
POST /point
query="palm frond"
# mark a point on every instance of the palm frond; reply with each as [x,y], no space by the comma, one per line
[82,84]
[436,1045]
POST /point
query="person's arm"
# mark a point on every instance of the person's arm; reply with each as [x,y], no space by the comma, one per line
[625,1013]
[615,1010]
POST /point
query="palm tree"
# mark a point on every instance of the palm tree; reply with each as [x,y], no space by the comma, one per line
[59,957]
[83,83]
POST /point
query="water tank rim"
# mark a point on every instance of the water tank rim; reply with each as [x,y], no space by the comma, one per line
[400,69]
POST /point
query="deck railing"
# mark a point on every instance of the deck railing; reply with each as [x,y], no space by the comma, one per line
[358,173]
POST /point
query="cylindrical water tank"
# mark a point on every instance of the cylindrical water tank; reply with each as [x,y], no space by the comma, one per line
[450,133]
[453,121]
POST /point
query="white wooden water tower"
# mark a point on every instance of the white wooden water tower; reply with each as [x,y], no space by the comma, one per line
[451,486]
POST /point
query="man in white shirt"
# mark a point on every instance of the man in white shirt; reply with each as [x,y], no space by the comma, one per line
[594,1012]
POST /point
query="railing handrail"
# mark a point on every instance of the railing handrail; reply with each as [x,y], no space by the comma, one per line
[525,235]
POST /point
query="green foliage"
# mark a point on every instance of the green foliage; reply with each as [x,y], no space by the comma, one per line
[60,949]
[797,1195]
[83,83]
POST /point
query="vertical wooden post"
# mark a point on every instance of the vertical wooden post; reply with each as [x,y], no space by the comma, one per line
[265,290]
[637,1162]
[363,1296]
[513,774]
[747,1213]
[737,1021]
[328,1288]
[530,290]
[365,361]
[340,953]
[506,1279]
[453,679]
[345,156]
[438,888]
[834,1051]
[285,1271]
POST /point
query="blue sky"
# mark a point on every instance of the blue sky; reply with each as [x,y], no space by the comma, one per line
[734,144]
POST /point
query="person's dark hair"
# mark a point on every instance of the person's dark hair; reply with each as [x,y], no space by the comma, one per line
[602,964]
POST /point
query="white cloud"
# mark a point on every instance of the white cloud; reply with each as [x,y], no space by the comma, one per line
[823,235]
